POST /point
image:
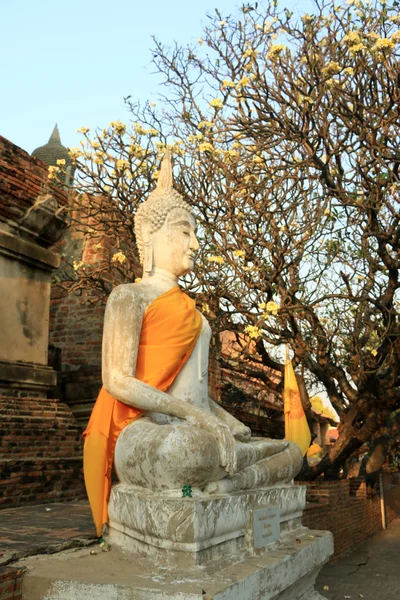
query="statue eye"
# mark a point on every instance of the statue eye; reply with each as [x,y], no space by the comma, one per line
[185,232]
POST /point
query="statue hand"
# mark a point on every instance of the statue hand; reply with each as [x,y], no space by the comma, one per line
[224,438]
[241,432]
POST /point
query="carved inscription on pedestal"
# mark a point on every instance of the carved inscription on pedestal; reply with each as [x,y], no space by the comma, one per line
[266,526]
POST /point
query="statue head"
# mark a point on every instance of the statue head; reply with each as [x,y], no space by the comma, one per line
[165,227]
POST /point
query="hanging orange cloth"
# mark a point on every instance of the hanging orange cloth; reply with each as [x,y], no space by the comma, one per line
[170,329]
[296,426]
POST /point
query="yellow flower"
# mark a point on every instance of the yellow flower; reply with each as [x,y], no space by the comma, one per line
[122,164]
[138,279]
[204,124]
[139,129]
[205,308]
[52,172]
[228,83]
[152,103]
[200,41]
[60,161]
[307,19]
[331,69]
[272,308]
[351,38]
[396,36]
[83,130]
[75,153]
[77,265]
[374,352]
[119,257]
[250,53]
[302,99]
[118,127]
[257,159]
[206,147]
[239,253]
[275,50]
[348,71]
[357,48]
[222,23]
[262,306]
[216,103]
[383,45]
[215,258]
[242,82]
[252,331]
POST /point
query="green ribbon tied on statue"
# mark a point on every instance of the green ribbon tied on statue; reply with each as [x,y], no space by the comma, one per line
[187,491]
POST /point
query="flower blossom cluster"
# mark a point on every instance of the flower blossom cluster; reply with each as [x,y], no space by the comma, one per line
[119,257]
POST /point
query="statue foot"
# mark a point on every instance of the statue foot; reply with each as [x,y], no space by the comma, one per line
[279,468]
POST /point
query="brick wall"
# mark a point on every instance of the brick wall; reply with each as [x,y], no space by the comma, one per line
[346,509]
[11,583]
[40,453]
[76,328]
[22,178]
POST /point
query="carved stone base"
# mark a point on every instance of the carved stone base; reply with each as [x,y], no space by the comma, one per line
[199,530]
[242,546]
[286,573]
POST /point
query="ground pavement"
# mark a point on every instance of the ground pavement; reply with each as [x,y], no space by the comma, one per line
[371,572]
[44,529]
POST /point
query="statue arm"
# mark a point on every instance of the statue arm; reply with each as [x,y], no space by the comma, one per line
[240,431]
[122,326]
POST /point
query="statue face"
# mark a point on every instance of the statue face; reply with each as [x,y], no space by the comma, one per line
[175,243]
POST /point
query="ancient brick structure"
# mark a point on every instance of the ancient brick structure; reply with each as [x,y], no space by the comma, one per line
[40,445]
[346,509]
[11,583]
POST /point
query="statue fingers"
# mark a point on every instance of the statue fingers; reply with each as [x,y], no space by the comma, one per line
[231,462]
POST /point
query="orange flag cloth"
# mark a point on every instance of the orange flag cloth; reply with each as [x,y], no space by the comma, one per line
[296,426]
[170,329]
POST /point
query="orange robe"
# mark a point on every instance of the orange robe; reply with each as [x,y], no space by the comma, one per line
[170,329]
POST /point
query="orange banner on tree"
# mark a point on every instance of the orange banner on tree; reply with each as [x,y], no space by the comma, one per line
[296,426]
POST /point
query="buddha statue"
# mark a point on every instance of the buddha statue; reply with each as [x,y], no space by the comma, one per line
[155,363]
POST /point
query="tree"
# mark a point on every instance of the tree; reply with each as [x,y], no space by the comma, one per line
[286,139]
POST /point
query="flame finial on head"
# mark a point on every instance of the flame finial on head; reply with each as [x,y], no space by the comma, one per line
[165,181]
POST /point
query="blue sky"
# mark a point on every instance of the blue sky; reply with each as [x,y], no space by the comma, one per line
[74,62]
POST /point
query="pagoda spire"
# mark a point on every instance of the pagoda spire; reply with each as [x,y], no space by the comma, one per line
[55,136]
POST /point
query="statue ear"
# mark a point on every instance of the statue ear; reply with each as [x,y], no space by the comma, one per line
[146,231]
[147,246]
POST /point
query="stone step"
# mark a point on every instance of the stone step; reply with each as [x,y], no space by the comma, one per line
[286,573]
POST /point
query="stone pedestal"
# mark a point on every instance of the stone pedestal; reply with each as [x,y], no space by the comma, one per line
[196,531]
[259,531]
[244,546]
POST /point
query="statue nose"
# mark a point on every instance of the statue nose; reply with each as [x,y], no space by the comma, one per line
[194,243]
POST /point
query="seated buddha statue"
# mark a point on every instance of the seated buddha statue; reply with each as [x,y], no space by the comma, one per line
[154,416]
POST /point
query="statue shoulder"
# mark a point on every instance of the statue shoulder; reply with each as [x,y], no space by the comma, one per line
[133,296]
[128,296]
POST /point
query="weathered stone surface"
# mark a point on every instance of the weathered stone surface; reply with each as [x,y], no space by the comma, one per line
[287,573]
[200,519]
[25,271]
[196,530]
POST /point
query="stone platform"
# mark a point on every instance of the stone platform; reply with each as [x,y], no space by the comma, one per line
[286,573]
[249,545]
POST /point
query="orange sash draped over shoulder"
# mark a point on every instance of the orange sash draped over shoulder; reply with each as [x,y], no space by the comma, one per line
[170,329]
